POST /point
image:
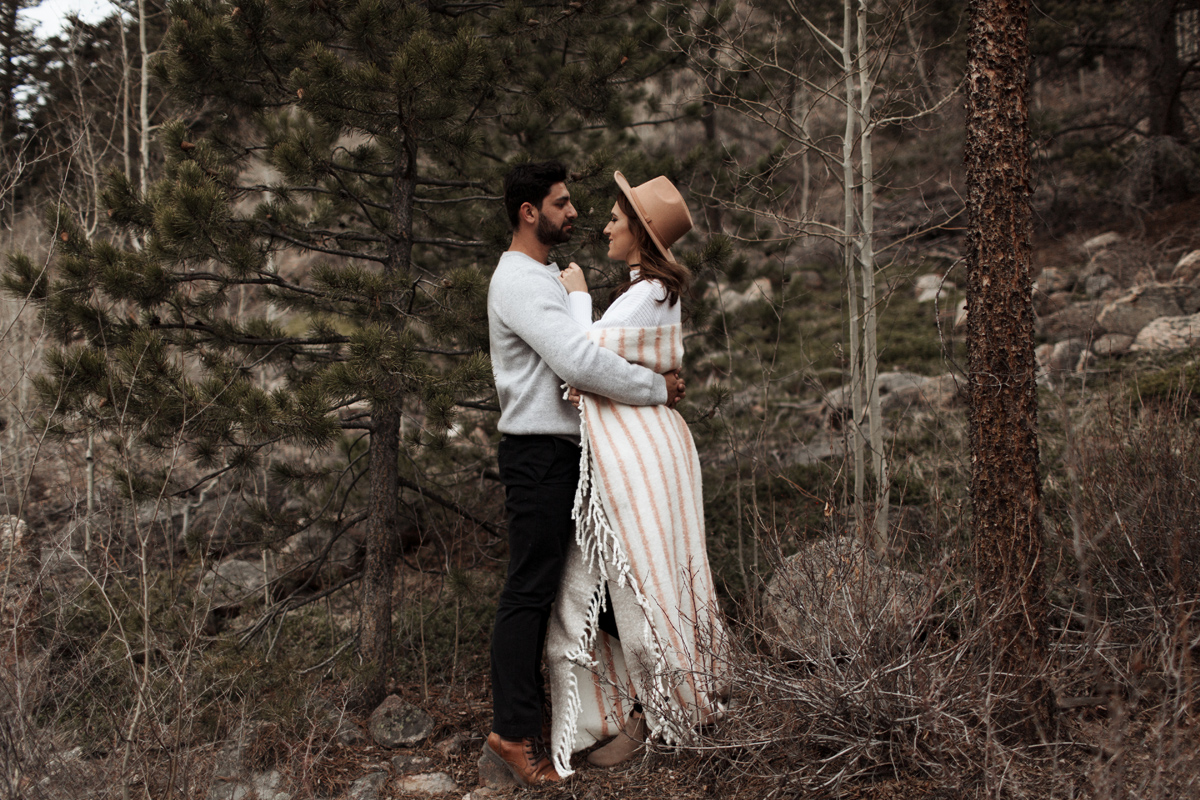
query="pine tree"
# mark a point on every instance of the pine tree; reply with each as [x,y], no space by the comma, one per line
[1006,488]
[384,128]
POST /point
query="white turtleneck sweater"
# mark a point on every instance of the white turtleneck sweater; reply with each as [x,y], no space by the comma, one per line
[643,305]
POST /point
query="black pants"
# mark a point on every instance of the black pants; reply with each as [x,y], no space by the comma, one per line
[540,474]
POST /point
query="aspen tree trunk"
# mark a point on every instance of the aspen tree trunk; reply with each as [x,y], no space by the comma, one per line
[1005,486]
[866,259]
[144,97]
[856,376]
[126,82]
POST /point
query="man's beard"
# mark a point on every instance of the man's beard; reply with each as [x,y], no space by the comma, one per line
[549,235]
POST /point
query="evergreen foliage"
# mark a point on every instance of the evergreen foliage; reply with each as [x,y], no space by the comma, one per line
[315,256]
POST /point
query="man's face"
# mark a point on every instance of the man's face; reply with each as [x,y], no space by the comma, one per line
[555,216]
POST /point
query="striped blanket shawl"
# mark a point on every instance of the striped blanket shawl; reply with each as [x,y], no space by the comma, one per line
[640,529]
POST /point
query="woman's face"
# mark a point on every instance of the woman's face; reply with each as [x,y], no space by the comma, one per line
[620,239]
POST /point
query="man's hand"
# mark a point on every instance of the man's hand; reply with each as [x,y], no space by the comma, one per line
[675,388]
[572,278]
[573,396]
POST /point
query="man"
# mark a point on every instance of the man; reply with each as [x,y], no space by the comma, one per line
[536,347]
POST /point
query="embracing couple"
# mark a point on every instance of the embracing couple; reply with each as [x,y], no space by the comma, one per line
[608,572]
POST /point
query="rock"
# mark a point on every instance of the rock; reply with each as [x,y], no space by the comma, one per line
[426,783]
[492,775]
[410,762]
[1098,284]
[367,787]
[729,300]
[1167,334]
[344,555]
[1112,344]
[457,743]
[1065,355]
[928,288]
[481,793]
[1047,304]
[936,392]
[396,723]
[1101,242]
[1054,280]
[235,581]
[1077,319]
[1138,307]
[810,279]
[232,781]
[1042,354]
[1187,268]
[821,599]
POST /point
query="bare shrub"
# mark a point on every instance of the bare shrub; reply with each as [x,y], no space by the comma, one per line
[1129,639]
[897,688]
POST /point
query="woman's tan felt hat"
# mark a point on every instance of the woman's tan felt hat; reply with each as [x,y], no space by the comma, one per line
[660,207]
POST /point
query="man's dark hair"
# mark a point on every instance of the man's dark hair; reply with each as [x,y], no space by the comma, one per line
[530,183]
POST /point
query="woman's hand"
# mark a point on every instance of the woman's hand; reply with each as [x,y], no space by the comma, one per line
[573,396]
[572,278]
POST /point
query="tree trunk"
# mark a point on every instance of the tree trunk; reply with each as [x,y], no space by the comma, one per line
[866,259]
[8,76]
[1164,72]
[144,97]
[854,429]
[375,645]
[1005,487]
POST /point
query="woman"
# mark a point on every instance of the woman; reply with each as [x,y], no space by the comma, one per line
[635,645]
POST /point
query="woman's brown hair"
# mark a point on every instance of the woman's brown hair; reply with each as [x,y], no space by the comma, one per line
[674,276]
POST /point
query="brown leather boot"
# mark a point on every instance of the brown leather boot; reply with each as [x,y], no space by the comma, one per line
[525,759]
[629,742]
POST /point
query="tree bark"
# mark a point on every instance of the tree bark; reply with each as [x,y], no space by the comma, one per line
[375,645]
[1164,72]
[1005,486]
[8,71]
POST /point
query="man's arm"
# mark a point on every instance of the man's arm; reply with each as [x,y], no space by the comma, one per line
[536,310]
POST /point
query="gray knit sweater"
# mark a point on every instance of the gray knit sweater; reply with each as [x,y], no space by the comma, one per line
[537,347]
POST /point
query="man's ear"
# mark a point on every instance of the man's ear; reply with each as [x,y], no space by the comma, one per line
[528,212]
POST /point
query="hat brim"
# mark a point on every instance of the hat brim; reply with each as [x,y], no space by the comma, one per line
[627,190]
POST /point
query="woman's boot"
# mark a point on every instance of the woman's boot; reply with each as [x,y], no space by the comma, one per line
[629,742]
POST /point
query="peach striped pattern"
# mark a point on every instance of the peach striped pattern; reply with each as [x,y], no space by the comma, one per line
[640,519]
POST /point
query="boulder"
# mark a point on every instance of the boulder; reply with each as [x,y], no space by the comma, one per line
[1098,284]
[396,723]
[822,599]
[410,762]
[492,775]
[426,783]
[1168,334]
[295,559]
[1046,304]
[1054,280]
[1187,268]
[1112,344]
[235,581]
[1138,307]
[897,390]
[729,300]
[367,787]
[928,288]
[1077,319]
[1064,357]
[937,392]
[1101,242]
[232,780]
